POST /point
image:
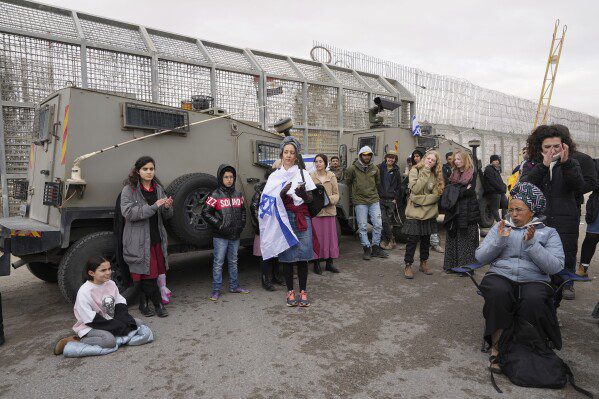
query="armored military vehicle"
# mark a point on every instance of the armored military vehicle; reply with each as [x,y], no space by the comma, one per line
[72,184]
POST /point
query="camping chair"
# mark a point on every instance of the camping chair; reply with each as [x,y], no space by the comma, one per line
[565,275]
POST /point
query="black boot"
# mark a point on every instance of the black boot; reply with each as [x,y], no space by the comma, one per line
[379,252]
[266,284]
[276,275]
[2,340]
[157,301]
[367,253]
[317,268]
[142,289]
[330,267]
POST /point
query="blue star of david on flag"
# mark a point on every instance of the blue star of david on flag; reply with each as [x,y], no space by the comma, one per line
[266,205]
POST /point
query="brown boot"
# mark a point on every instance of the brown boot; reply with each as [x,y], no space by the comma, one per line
[581,270]
[385,245]
[59,346]
[424,267]
[407,271]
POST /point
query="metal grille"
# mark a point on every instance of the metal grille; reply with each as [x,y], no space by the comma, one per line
[355,105]
[18,125]
[111,34]
[181,81]
[323,106]
[227,57]
[347,79]
[13,203]
[375,84]
[31,69]
[276,66]
[286,104]
[138,116]
[323,141]
[238,92]
[119,73]
[37,21]
[314,72]
[266,153]
[179,48]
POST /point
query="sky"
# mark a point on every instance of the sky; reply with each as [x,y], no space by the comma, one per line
[498,45]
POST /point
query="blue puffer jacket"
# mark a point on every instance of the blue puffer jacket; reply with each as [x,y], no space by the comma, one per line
[521,261]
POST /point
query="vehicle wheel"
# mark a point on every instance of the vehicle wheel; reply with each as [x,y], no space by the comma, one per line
[72,264]
[189,194]
[486,216]
[44,271]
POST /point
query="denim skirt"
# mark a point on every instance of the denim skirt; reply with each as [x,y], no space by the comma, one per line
[302,251]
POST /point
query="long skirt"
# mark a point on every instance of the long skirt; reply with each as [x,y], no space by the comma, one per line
[157,265]
[325,228]
[506,300]
[460,247]
[302,251]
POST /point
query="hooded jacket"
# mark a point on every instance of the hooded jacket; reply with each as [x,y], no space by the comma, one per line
[520,261]
[363,180]
[390,186]
[225,208]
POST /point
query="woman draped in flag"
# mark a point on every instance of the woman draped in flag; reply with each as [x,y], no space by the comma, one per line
[284,219]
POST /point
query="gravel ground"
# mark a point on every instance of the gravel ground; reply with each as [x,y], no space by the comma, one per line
[368,334]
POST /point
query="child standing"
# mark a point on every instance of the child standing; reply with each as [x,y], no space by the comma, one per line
[225,213]
[100,310]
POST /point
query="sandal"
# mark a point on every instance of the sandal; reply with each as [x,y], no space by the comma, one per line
[494,366]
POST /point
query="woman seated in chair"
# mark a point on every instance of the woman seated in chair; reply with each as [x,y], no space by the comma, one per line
[523,253]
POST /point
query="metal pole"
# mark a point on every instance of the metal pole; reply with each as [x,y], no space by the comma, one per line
[3,171]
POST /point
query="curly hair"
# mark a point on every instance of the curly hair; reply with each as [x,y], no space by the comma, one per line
[133,179]
[437,170]
[534,142]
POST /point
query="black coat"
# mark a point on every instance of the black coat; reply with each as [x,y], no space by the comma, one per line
[390,191]
[492,181]
[446,170]
[589,174]
[255,206]
[465,210]
[225,208]
[562,207]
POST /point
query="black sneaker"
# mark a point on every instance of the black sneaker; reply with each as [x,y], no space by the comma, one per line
[568,293]
[379,252]
[367,252]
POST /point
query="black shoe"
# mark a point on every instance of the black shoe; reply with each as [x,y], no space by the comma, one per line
[367,253]
[161,310]
[330,267]
[568,293]
[157,302]
[379,252]
[317,268]
[266,284]
[143,306]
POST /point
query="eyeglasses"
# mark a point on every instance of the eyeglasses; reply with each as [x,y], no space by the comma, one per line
[516,210]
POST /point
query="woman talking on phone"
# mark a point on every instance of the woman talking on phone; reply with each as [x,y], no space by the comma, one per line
[559,177]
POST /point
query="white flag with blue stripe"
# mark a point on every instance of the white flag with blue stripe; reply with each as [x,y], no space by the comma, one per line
[276,234]
[415,127]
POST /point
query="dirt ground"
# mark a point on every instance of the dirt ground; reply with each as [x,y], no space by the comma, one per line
[368,334]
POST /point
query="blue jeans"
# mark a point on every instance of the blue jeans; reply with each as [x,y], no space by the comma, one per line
[362,212]
[222,248]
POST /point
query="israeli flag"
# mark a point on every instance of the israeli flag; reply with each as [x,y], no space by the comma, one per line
[276,234]
[415,127]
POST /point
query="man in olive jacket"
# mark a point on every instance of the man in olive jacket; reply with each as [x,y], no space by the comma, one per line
[363,178]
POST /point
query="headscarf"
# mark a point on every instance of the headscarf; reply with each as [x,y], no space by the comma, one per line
[531,195]
[291,140]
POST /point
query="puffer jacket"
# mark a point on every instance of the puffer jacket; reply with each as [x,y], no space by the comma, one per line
[255,206]
[332,188]
[225,208]
[390,187]
[424,195]
[136,232]
[363,181]
[466,210]
[522,261]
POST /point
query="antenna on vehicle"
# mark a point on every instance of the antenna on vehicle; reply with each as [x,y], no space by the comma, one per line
[78,184]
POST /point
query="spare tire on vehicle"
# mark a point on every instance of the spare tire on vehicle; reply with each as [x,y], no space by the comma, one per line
[189,194]
[47,272]
[486,215]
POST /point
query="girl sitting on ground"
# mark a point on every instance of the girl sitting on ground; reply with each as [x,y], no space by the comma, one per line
[100,310]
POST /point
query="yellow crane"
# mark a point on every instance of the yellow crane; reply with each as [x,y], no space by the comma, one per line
[555,52]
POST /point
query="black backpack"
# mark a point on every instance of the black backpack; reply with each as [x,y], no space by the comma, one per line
[528,361]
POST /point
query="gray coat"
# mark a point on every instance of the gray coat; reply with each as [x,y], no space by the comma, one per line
[521,261]
[136,234]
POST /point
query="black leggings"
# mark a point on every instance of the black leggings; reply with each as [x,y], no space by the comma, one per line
[302,274]
[588,248]
[425,243]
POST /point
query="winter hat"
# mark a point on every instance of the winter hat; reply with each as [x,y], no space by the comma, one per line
[495,157]
[365,150]
[291,140]
[531,195]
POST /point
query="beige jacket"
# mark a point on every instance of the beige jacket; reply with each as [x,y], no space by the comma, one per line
[330,185]
[424,195]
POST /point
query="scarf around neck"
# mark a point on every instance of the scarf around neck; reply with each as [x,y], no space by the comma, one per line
[462,178]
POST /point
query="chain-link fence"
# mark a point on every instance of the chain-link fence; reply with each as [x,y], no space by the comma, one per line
[45,48]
